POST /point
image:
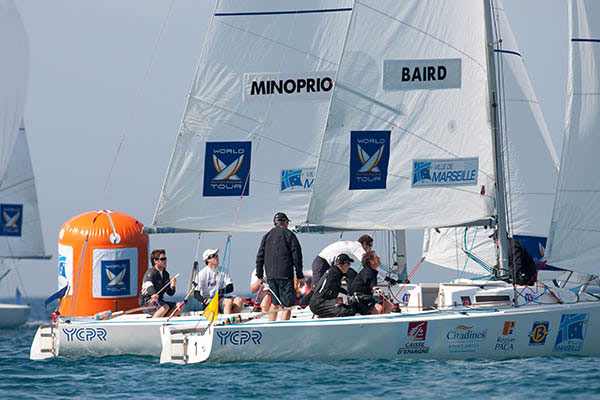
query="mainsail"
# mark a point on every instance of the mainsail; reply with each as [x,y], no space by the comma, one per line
[530,162]
[408,143]
[20,226]
[575,228]
[14,71]
[251,131]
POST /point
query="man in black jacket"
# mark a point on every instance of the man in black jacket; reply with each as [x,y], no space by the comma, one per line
[157,278]
[277,256]
[520,263]
[365,283]
[323,301]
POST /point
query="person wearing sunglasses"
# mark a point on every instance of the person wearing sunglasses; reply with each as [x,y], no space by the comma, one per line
[323,302]
[157,282]
[212,278]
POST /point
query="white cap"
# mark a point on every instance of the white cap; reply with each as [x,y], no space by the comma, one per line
[209,252]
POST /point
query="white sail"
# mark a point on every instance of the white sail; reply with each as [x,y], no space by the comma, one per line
[530,162]
[251,131]
[14,71]
[412,85]
[20,227]
[575,229]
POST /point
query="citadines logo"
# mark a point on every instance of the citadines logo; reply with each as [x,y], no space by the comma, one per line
[465,338]
[11,221]
[369,158]
[227,169]
[284,86]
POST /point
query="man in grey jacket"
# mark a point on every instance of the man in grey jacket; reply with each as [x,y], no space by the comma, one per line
[278,254]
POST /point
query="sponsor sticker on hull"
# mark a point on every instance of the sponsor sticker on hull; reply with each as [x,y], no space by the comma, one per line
[227,169]
[445,172]
[571,333]
[506,341]
[416,338]
[465,338]
[539,333]
[369,158]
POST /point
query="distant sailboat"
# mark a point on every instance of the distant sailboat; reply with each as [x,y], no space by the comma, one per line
[20,228]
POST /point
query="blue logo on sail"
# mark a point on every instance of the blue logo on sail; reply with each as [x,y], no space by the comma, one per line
[115,277]
[11,219]
[297,180]
[571,332]
[369,159]
[445,172]
[227,169]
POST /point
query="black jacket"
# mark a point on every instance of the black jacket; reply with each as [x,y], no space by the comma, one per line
[330,285]
[364,281]
[153,282]
[278,254]
[520,261]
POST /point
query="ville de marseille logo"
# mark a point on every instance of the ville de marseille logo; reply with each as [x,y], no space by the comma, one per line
[227,169]
[571,332]
[369,159]
[297,180]
[11,221]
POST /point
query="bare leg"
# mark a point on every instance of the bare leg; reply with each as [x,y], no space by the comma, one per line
[161,311]
[237,305]
[286,315]
[273,316]
[227,305]
[265,304]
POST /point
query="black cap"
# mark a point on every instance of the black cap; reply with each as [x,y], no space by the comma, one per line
[280,217]
[343,259]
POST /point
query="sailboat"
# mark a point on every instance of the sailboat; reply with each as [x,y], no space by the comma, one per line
[20,228]
[414,140]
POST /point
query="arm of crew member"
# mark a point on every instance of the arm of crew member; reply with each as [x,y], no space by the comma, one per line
[255,286]
[297,257]
[260,258]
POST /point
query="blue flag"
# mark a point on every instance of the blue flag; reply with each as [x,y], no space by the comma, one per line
[19,297]
[57,295]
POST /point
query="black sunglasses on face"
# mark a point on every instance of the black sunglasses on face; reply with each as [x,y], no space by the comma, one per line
[212,256]
[163,259]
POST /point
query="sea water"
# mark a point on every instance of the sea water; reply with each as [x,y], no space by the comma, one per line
[138,377]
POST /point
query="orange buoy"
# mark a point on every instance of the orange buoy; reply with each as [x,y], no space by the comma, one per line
[102,256]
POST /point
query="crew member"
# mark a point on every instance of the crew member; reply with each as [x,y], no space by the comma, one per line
[520,263]
[278,254]
[261,288]
[323,301]
[365,284]
[210,279]
[156,283]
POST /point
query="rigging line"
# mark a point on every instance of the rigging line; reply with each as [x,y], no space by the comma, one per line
[138,95]
[393,124]
[425,33]
[4,189]
[333,64]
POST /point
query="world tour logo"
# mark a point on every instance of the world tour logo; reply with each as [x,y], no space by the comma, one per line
[369,159]
[11,221]
[539,333]
[445,172]
[297,180]
[227,169]
[416,336]
[571,332]
[115,277]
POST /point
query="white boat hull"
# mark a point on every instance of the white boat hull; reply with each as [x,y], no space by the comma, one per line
[13,315]
[529,331]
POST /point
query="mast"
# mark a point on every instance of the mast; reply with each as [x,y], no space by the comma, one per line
[498,161]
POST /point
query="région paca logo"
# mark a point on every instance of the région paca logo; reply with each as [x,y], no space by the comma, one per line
[227,169]
[369,159]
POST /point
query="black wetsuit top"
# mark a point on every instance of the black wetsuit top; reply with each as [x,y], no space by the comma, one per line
[323,301]
[520,261]
[364,281]
[153,282]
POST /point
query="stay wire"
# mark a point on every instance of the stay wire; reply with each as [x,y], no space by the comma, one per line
[138,95]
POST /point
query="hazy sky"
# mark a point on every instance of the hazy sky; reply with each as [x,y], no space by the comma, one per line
[87,89]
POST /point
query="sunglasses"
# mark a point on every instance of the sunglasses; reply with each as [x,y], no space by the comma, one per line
[212,256]
[163,259]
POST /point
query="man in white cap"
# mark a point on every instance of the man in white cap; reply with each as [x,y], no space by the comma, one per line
[210,279]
